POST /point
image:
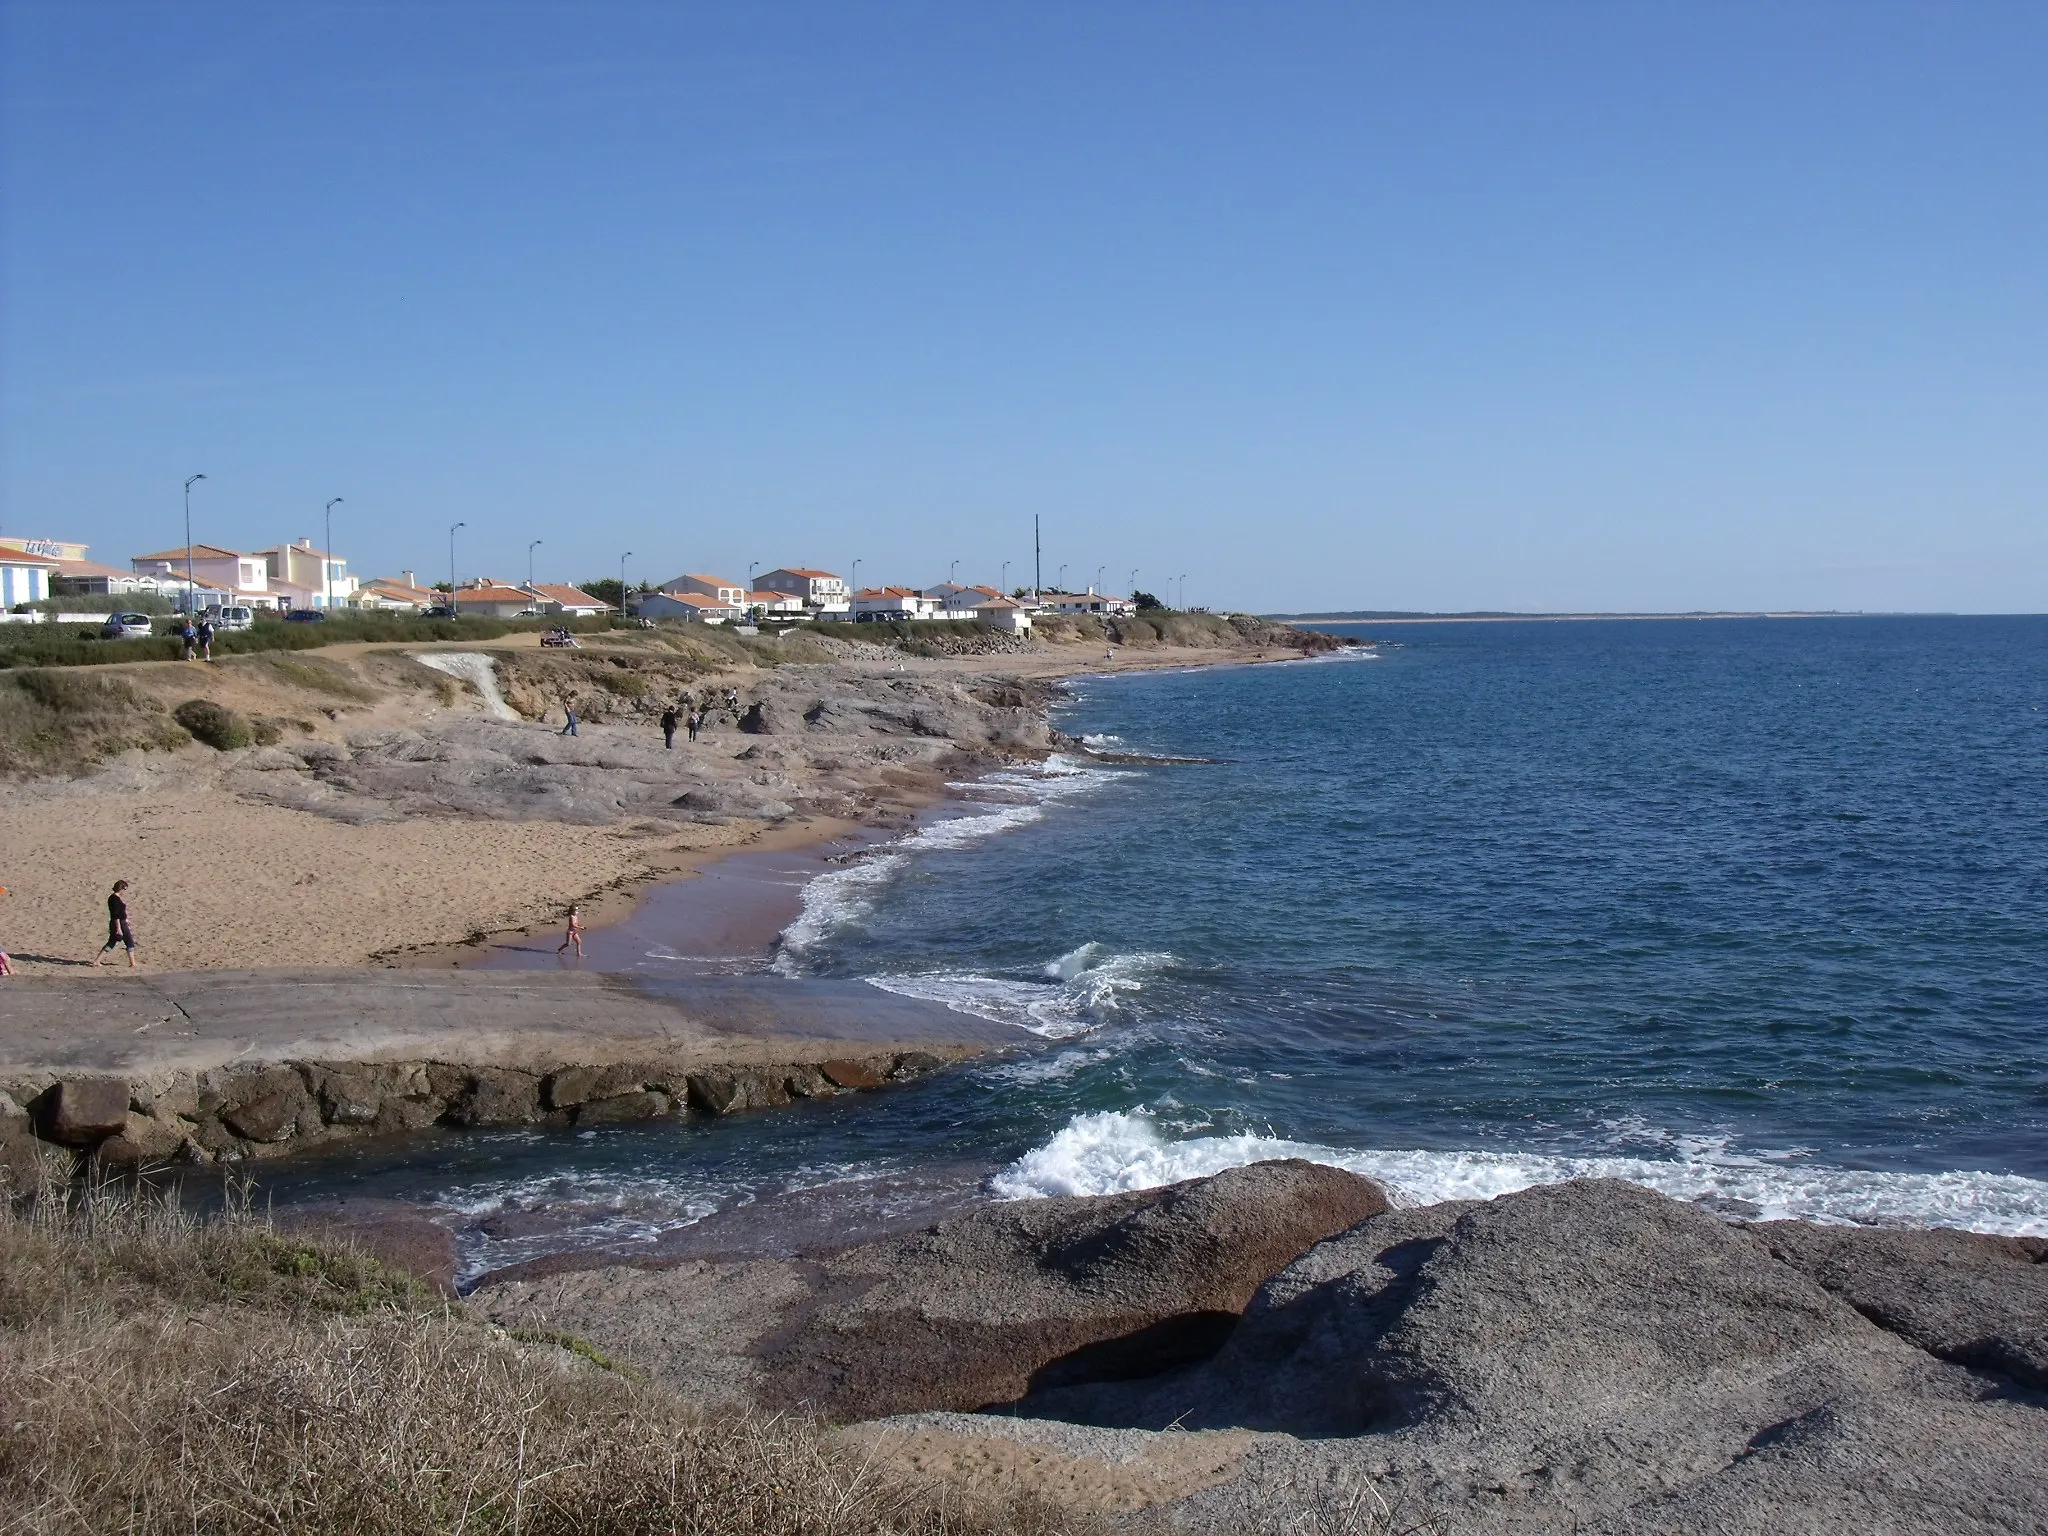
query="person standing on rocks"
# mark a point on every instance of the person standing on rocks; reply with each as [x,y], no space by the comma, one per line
[119,930]
[569,709]
[696,723]
[668,727]
[575,934]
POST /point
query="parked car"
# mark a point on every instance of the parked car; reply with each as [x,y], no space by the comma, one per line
[126,626]
[305,616]
[231,617]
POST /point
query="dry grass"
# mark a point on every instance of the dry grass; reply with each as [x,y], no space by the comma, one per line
[61,722]
[163,1374]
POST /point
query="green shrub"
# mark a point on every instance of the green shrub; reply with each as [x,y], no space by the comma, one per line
[215,724]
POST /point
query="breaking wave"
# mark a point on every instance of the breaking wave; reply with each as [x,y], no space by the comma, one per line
[1097,1154]
[1079,991]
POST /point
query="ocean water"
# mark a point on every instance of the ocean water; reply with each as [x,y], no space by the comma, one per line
[1753,912]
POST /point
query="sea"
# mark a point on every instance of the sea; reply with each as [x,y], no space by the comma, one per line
[1750,911]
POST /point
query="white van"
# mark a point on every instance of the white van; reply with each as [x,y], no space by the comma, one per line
[231,617]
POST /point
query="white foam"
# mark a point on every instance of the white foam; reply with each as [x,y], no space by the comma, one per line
[1079,995]
[1105,1153]
[474,668]
[844,895]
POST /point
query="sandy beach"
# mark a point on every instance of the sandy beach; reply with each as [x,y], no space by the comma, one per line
[397,823]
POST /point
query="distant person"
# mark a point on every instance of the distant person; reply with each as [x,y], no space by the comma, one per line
[696,724]
[119,930]
[190,636]
[668,727]
[575,934]
[206,639]
[6,965]
[569,709]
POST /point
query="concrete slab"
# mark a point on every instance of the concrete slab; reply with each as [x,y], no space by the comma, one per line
[131,1025]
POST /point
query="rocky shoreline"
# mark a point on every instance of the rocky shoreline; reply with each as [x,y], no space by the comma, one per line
[1587,1357]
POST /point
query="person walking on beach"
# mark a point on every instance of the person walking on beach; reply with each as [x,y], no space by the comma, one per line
[668,727]
[575,934]
[569,709]
[206,639]
[189,635]
[696,723]
[119,930]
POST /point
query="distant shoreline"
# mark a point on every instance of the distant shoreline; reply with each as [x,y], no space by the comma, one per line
[1561,618]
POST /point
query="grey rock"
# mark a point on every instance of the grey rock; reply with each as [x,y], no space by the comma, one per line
[1977,1300]
[497,1096]
[622,1107]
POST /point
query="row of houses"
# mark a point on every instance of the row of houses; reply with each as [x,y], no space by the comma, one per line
[798,592]
[296,575]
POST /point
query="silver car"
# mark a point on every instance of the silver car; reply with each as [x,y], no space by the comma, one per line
[126,626]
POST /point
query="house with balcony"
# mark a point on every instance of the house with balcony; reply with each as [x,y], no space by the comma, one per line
[815,589]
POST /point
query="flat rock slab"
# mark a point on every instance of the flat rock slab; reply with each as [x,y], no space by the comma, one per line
[132,1025]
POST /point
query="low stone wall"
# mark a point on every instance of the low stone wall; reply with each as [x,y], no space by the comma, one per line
[262,1110]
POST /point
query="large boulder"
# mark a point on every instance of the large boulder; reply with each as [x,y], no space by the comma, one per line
[81,1111]
[975,1312]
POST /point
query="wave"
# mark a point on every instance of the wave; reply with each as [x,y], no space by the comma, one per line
[1080,988]
[842,896]
[1105,1153]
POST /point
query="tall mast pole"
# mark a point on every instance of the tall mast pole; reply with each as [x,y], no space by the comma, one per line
[1037,566]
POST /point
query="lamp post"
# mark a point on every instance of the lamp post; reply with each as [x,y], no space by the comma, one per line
[327,558]
[1006,578]
[1063,578]
[188,539]
[454,608]
[1181,602]
[536,544]
[952,571]
[622,581]
[855,579]
[1132,590]
[1097,587]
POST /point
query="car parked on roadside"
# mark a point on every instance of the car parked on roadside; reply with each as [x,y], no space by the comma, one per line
[304,616]
[230,617]
[126,626]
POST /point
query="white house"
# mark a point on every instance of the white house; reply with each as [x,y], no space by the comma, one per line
[25,578]
[871,603]
[707,586]
[1004,613]
[572,602]
[816,589]
[781,604]
[1090,601]
[402,594]
[236,577]
[304,577]
[83,576]
[691,607]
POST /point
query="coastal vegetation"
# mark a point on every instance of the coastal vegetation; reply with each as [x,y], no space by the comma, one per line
[170,1374]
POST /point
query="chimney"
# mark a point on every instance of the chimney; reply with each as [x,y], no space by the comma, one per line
[304,543]
[408,578]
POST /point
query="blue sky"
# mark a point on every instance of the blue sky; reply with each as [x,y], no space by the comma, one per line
[1326,306]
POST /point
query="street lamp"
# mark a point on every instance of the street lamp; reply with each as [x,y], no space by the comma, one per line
[1006,578]
[327,559]
[1097,587]
[1181,602]
[454,608]
[1132,590]
[1063,578]
[952,571]
[855,578]
[529,565]
[188,539]
[622,581]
